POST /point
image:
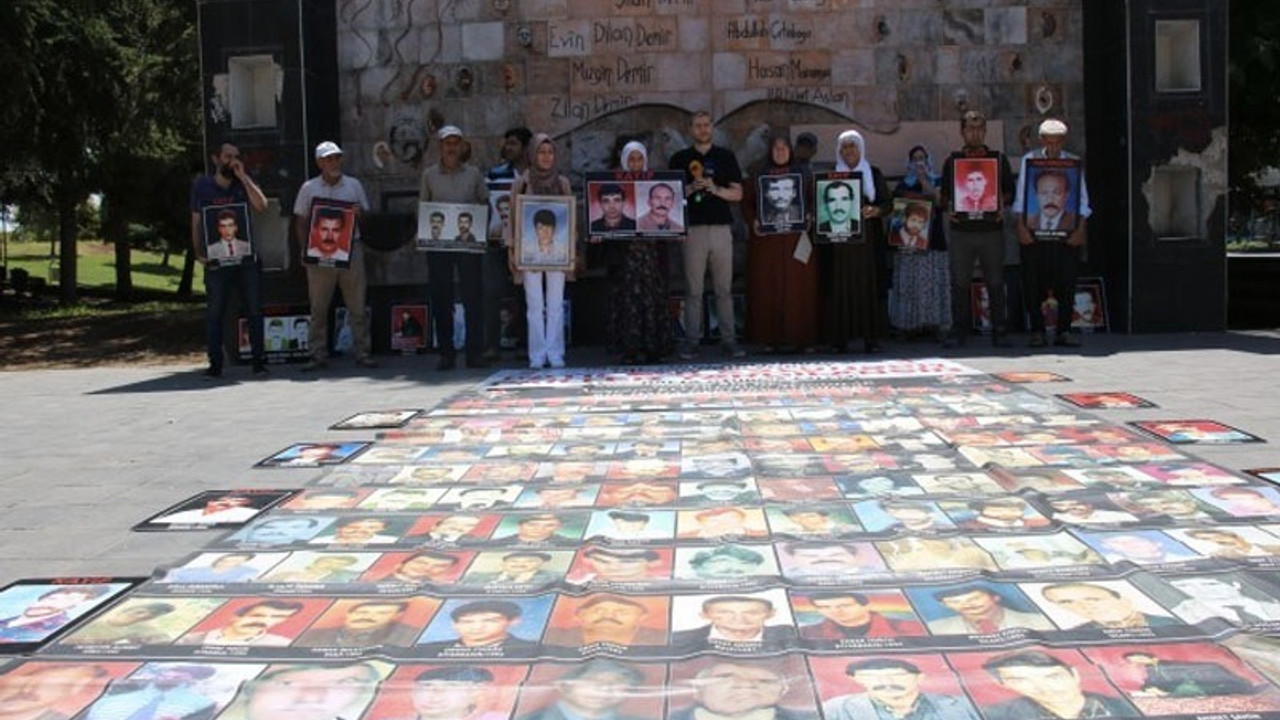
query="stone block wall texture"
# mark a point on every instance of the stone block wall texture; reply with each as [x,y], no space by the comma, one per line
[593,71]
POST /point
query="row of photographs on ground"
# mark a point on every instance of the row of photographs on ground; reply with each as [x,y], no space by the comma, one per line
[1167,680]
[452,566]
[1064,611]
[402,523]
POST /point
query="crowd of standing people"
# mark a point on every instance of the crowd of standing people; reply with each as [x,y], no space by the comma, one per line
[901,264]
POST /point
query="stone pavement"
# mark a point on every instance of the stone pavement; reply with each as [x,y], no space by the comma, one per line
[86,454]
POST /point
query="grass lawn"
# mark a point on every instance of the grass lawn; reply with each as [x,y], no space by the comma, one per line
[96,266]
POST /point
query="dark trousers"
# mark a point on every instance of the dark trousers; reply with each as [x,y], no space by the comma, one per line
[496,274]
[1050,266]
[988,247]
[441,266]
[244,279]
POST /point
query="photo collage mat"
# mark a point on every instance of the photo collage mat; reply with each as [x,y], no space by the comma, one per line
[827,533]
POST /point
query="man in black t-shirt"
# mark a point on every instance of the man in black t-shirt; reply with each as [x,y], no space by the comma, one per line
[712,180]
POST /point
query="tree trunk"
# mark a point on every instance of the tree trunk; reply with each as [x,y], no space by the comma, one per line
[67,242]
[115,230]
[188,274]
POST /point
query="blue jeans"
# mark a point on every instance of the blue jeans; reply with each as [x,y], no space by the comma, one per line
[245,279]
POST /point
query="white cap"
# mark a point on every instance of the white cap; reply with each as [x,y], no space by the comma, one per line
[1053,127]
[327,148]
[449,131]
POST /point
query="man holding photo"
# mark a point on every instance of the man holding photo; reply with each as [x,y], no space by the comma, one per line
[1049,263]
[228,184]
[332,184]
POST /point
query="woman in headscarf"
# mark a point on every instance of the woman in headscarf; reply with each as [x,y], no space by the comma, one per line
[543,289]
[782,291]
[639,316]
[852,302]
[920,300]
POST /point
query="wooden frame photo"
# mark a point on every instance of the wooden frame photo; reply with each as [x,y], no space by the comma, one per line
[1089,311]
[910,224]
[332,234]
[228,234]
[635,205]
[975,188]
[410,327]
[544,232]
[1051,198]
[452,226]
[780,203]
[839,212]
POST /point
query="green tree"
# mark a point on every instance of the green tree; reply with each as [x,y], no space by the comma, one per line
[101,95]
[1254,87]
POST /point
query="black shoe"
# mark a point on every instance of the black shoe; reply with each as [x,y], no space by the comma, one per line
[260,369]
[448,362]
[212,373]
[872,347]
[1000,340]
[1067,340]
[1037,340]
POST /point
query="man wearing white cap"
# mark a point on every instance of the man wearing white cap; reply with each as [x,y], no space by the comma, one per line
[333,184]
[453,181]
[1050,263]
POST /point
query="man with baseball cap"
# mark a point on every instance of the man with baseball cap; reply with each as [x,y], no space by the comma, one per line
[333,184]
[1051,264]
[453,181]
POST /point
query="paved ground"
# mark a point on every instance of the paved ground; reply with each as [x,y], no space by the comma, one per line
[85,454]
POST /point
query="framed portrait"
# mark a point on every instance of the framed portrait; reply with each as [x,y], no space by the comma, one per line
[975,189]
[214,509]
[635,205]
[1089,311]
[1186,432]
[910,224]
[1270,474]
[839,200]
[409,323]
[452,226]
[1051,198]
[286,334]
[314,454]
[545,232]
[332,232]
[376,419]
[780,203]
[34,611]
[499,208]
[228,234]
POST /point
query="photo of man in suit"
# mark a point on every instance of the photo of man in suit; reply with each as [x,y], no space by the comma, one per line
[1183,679]
[595,690]
[1053,200]
[848,614]
[737,691]
[891,689]
[780,201]
[483,624]
[736,622]
[250,625]
[228,246]
[521,567]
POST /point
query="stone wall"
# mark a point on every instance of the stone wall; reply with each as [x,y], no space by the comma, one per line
[590,71]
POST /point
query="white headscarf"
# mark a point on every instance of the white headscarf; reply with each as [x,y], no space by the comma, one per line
[633,146]
[864,167]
